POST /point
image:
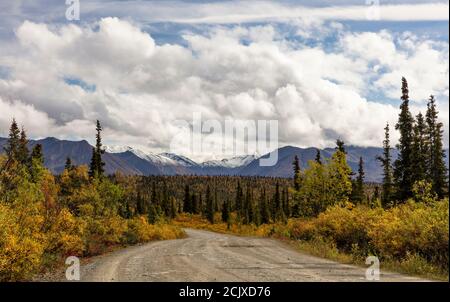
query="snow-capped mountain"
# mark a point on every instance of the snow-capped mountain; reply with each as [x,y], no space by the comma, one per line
[234,162]
[179,159]
[117,149]
[164,159]
[172,159]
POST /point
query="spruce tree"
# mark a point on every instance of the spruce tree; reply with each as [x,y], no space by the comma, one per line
[386,159]
[173,207]
[194,204]
[246,219]
[187,200]
[239,200]
[419,150]
[22,151]
[152,215]
[250,206]
[285,204]
[375,198]
[37,155]
[209,206]
[35,163]
[68,165]
[140,204]
[436,169]
[404,164]
[154,198]
[358,194]
[226,212]
[97,168]
[318,158]
[279,213]
[340,146]
[296,166]
[12,146]
[264,208]
[201,208]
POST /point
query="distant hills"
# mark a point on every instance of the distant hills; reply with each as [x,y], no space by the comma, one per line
[133,161]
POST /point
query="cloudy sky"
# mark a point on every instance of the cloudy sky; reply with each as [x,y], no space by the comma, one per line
[323,69]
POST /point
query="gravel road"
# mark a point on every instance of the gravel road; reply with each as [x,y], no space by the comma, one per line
[208,256]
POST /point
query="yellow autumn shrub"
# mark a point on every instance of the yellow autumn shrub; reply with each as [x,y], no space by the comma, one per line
[167,231]
[414,228]
[302,229]
[347,227]
[21,242]
[103,232]
[139,231]
[65,236]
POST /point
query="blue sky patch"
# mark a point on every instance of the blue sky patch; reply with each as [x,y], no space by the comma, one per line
[78,82]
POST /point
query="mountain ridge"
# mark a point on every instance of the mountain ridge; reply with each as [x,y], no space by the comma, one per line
[131,161]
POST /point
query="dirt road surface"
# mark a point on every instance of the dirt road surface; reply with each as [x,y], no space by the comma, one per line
[208,256]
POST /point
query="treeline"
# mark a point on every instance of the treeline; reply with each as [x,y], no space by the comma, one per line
[421,162]
[163,197]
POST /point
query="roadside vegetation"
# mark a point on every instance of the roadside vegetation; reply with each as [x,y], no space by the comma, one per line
[44,219]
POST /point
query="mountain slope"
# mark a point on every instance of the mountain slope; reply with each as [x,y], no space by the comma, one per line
[56,152]
[283,167]
[130,161]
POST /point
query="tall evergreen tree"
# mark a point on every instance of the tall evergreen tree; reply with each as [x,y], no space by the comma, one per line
[419,150]
[68,165]
[296,166]
[201,207]
[195,209]
[250,206]
[37,154]
[386,159]
[12,146]
[36,162]
[97,167]
[340,146]
[436,169]
[404,164]
[247,211]
[264,208]
[209,205]
[277,204]
[23,155]
[318,158]
[187,200]
[358,188]
[152,215]
[239,200]
[286,206]
[226,212]
[140,204]
[375,201]
[173,208]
